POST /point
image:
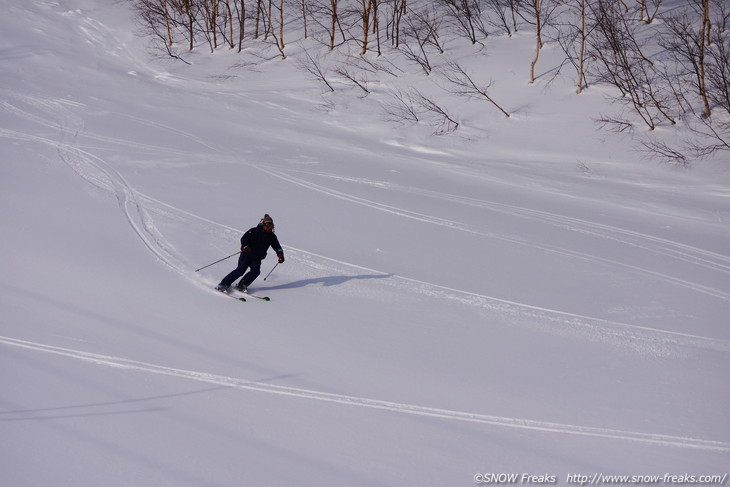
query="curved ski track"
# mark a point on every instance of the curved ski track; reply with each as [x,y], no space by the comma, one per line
[628,336]
[679,251]
[686,253]
[96,171]
[137,209]
[363,402]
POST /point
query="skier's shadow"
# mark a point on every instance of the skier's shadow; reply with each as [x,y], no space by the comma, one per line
[326,281]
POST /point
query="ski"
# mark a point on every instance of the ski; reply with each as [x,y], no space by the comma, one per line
[230,294]
[262,298]
[237,298]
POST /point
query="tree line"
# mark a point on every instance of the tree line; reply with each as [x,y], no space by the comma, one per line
[667,63]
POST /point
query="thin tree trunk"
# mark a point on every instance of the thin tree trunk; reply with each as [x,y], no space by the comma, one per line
[269,24]
[241,24]
[167,22]
[376,22]
[229,14]
[258,18]
[582,48]
[642,9]
[304,17]
[706,21]
[190,23]
[281,25]
[214,21]
[701,59]
[333,3]
[538,39]
[365,25]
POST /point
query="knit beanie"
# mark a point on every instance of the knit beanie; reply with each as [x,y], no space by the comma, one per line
[266,220]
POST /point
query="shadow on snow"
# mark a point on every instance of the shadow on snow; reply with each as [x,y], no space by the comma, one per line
[326,281]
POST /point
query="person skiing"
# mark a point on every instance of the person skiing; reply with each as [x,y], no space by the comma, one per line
[254,244]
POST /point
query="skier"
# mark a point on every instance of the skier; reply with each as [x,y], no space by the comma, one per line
[254,244]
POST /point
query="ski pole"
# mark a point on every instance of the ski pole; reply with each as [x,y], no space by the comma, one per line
[221,260]
[272,270]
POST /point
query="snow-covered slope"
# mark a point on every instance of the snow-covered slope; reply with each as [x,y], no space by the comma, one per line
[523,296]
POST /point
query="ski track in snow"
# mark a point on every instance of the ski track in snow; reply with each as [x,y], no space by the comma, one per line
[138,208]
[140,212]
[363,402]
[656,245]
[94,170]
[630,337]
[644,340]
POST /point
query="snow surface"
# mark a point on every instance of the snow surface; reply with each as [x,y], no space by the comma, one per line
[525,295]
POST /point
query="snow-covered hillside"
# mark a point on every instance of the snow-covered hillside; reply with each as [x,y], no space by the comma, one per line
[524,296]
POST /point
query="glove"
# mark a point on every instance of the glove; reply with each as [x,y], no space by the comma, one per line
[280,255]
[245,248]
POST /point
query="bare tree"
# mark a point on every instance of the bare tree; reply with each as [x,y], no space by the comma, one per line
[686,47]
[333,4]
[440,118]
[402,109]
[463,84]
[168,28]
[717,70]
[704,38]
[374,20]
[260,17]
[654,148]
[313,66]
[413,106]
[539,14]
[648,11]
[367,10]
[538,37]
[281,26]
[703,65]
[501,10]
[269,25]
[582,44]
[466,16]
[619,61]
[241,12]
[356,77]
[158,20]
[399,8]
[305,25]
[190,22]
[226,22]
[212,17]
[375,66]
[571,37]
[278,39]
[421,34]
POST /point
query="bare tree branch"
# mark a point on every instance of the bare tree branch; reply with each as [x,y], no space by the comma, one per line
[463,84]
[313,66]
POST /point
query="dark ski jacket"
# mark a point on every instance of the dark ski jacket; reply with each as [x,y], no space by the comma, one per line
[256,241]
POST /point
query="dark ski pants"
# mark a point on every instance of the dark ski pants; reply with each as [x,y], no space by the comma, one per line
[244,262]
